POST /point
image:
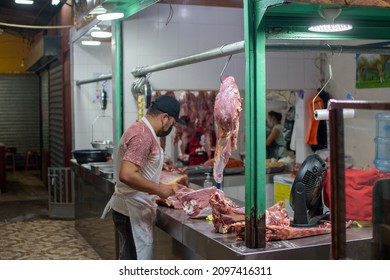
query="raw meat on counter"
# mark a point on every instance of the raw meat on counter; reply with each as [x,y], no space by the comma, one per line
[171,174]
[277,215]
[228,217]
[175,200]
[226,214]
[196,204]
[227,108]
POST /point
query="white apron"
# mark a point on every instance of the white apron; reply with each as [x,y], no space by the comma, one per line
[142,213]
[141,208]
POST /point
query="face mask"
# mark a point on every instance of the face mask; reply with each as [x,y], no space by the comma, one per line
[270,124]
[164,133]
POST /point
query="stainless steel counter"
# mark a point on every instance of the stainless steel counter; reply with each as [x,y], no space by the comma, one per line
[195,238]
[92,193]
[198,235]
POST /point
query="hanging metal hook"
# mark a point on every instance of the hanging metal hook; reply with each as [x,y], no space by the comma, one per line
[323,87]
[224,68]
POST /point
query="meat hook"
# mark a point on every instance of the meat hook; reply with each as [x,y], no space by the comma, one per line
[224,68]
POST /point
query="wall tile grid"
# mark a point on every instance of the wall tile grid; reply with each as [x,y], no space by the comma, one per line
[88,117]
[361,130]
[149,39]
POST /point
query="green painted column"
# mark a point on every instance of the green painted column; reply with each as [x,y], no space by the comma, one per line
[255,119]
[117,46]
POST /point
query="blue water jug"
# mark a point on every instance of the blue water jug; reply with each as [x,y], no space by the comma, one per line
[382,140]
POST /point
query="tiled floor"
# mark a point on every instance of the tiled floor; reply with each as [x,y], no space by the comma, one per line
[26,230]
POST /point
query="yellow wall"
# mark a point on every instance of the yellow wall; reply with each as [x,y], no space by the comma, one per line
[12,51]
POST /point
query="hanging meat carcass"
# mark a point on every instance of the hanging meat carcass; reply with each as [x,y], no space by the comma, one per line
[227,108]
[187,113]
[207,121]
[196,110]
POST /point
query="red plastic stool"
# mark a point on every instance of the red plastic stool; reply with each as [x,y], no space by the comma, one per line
[31,160]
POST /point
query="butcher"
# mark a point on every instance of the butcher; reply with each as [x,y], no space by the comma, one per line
[139,164]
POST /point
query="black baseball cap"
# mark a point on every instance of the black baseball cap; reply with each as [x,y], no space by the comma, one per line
[168,104]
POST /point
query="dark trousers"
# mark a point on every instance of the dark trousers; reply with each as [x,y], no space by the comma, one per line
[126,239]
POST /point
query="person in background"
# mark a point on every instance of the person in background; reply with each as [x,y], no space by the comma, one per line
[139,164]
[275,142]
[196,146]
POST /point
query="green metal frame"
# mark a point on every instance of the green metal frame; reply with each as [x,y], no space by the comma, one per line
[263,19]
[255,117]
[269,19]
[118,78]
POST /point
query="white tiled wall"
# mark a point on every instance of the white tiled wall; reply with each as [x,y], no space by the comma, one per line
[88,117]
[359,131]
[149,40]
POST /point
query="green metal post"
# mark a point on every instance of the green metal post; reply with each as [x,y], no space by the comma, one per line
[118,81]
[255,119]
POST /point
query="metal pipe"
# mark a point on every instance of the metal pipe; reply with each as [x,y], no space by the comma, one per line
[238,47]
[358,104]
[103,78]
[207,55]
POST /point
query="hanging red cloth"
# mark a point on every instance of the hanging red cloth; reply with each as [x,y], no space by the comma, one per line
[311,134]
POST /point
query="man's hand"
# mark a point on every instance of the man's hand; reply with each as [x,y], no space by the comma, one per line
[166,191]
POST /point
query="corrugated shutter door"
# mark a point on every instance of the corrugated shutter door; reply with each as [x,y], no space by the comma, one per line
[45,109]
[56,117]
[20,113]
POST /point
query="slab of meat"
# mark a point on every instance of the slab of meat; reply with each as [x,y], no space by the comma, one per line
[225,212]
[175,200]
[174,177]
[228,217]
[196,204]
[168,177]
[277,215]
[227,108]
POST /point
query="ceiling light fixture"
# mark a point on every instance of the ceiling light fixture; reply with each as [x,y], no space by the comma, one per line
[98,11]
[110,16]
[24,2]
[101,34]
[95,28]
[55,2]
[91,43]
[330,14]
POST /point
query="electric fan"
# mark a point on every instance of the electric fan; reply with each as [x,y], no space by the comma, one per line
[306,192]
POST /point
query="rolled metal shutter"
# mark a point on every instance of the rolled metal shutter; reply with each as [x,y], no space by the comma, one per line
[56,131]
[45,109]
[20,113]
